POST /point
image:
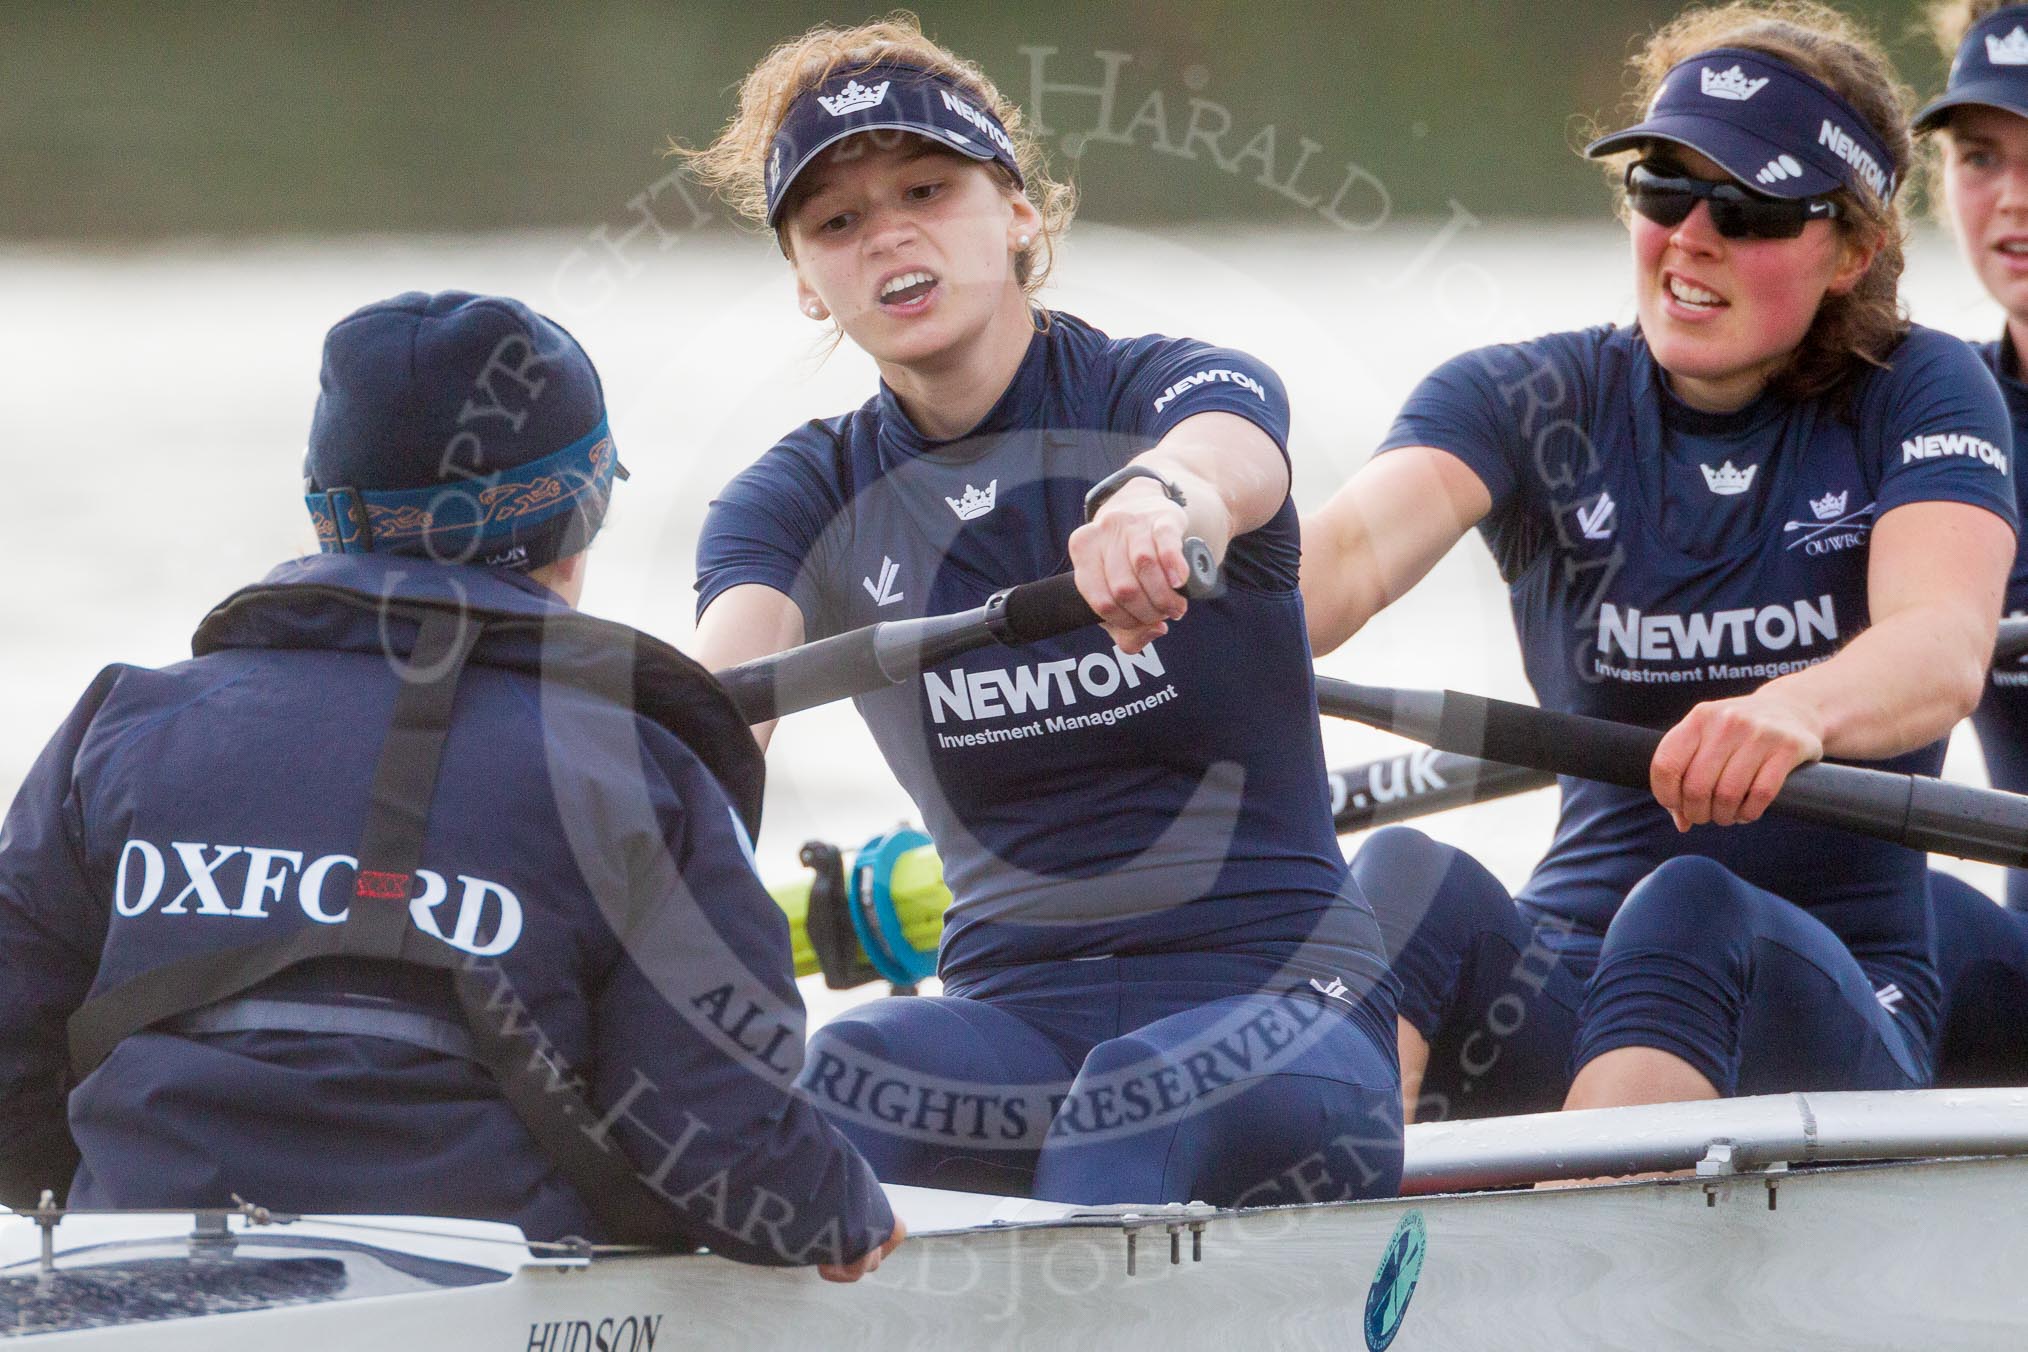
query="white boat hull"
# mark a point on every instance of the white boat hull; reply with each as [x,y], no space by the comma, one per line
[1917,1253]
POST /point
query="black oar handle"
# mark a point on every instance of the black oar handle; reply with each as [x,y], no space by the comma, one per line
[1038,610]
[885,654]
[1912,810]
[2012,641]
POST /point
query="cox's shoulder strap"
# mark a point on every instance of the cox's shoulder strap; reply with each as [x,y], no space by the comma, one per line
[378,926]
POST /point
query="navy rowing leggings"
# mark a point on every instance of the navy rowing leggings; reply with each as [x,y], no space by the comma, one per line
[1148,1078]
[1496,998]
[1982,961]
[1755,993]
[2001,721]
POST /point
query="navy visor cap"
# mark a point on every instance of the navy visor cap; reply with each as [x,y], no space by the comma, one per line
[1989,71]
[886,96]
[1772,127]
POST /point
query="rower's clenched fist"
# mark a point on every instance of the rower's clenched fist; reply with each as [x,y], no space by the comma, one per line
[1728,758]
[865,1262]
[1129,564]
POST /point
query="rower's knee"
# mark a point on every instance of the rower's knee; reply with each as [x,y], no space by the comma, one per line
[1689,904]
[1423,891]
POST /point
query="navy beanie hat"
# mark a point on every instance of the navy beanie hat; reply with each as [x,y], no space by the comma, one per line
[460,428]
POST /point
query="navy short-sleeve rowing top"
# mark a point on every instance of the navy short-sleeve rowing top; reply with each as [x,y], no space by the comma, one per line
[2002,717]
[1084,801]
[1658,557]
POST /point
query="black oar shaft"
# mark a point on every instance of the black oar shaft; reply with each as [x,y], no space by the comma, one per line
[1418,782]
[1912,810]
[2012,641]
[1428,780]
[879,655]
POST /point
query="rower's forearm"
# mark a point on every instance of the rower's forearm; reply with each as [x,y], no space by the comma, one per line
[1340,593]
[1900,685]
[1232,475]
[747,622]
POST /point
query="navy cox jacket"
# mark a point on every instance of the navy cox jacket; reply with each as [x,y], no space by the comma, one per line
[573,840]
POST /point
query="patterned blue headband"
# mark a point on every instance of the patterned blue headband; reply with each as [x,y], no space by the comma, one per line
[513,518]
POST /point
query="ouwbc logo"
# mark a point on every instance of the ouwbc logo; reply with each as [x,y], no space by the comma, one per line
[1833,529]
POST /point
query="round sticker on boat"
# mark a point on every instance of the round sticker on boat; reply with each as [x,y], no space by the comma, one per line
[1387,1299]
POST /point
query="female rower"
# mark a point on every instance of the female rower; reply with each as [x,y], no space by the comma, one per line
[1773,518]
[1158,985]
[1980,124]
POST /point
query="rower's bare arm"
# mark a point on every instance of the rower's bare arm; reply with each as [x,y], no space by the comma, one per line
[1232,472]
[1936,575]
[1380,533]
[1129,557]
[743,623]
[1936,578]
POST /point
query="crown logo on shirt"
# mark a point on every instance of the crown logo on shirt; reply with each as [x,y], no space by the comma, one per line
[1829,507]
[975,503]
[1732,84]
[2011,50]
[853,97]
[1726,481]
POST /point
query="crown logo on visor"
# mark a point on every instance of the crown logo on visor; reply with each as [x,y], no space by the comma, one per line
[974,503]
[1727,481]
[1828,507]
[2011,50]
[1732,84]
[853,97]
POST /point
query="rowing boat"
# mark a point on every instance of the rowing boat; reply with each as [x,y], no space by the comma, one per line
[1807,1221]
[1793,1221]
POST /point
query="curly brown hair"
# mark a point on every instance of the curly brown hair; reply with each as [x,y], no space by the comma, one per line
[1858,329]
[734,165]
[1950,20]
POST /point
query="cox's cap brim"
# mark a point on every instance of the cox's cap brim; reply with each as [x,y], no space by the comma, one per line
[2009,96]
[949,140]
[1738,152]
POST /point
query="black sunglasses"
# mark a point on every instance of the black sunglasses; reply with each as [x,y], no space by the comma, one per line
[1667,196]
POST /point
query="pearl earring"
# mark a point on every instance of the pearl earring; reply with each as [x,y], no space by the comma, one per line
[814,310]
[1021,241]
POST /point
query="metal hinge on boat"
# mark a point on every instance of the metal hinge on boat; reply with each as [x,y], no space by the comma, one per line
[1174,1218]
[1723,1160]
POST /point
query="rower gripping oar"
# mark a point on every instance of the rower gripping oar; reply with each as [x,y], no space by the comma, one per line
[888,653]
[1913,810]
[1419,782]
